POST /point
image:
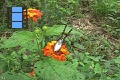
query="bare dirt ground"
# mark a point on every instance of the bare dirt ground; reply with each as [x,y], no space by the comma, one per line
[89,24]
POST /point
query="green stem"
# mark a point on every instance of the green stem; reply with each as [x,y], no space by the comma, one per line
[39,47]
[33,26]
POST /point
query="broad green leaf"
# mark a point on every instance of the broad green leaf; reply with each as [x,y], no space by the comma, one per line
[57,30]
[15,76]
[97,68]
[30,45]
[21,38]
[50,69]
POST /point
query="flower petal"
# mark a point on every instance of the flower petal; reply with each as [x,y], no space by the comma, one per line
[58,55]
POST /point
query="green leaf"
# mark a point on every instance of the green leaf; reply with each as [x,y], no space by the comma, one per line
[50,69]
[77,45]
[75,63]
[97,68]
[21,51]
[43,43]
[71,1]
[57,30]
[13,54]
[40,36]
[21,38]
[25,56]
[117,60]
[87,53]
[2,57]
[106,43]
[30,45]
[86,67]
[14,76]
[94,58]
[81,63]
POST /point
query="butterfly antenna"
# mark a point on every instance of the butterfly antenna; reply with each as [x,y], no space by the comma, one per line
[63,32]
[67,34]
[64,29]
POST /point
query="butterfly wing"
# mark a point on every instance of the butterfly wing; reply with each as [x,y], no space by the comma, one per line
[58,45]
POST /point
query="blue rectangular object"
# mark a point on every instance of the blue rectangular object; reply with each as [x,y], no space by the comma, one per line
[16,16]
[16,24]
[16,9]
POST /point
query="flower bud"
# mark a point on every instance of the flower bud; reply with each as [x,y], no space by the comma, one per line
[44,28]
[37,31]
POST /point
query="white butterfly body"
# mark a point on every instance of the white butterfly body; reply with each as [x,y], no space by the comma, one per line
[58,45]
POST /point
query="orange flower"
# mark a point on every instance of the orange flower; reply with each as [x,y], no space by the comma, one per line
[32,73]
[32,13]
[58,55]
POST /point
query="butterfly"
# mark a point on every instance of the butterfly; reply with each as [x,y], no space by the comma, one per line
[62,38]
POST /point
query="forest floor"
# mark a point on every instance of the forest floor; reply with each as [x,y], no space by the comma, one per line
[93,26]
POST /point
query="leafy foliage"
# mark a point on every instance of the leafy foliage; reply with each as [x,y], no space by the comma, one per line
[12,75]
[23,38]
[57,30]
[50,69]
[105,7]
[93,56]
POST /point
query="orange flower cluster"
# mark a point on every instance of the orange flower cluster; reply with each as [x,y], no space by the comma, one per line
[32,73]
[58,55]
[32,13]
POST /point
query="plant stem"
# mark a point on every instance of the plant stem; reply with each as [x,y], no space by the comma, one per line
[39,47]
[32,26]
